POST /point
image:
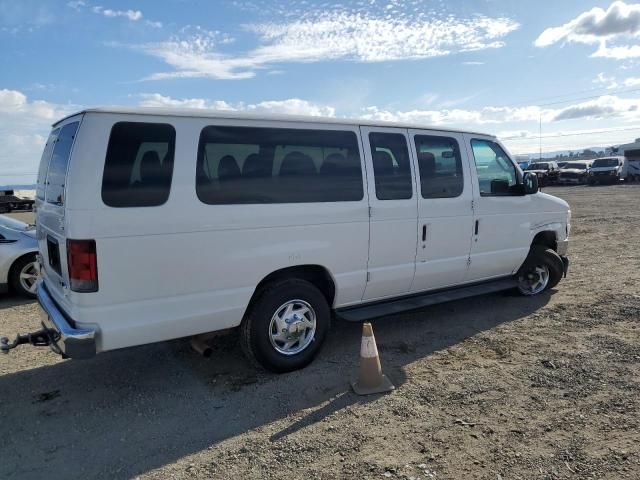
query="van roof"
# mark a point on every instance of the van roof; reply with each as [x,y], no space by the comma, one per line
[223,114]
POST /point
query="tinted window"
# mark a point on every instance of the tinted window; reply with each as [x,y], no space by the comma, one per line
[277,165]
[139,164]
[440,166]
[496,173]
[57,173]
[44,163]
[391,167]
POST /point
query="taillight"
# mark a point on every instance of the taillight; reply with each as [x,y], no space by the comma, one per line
[83,265]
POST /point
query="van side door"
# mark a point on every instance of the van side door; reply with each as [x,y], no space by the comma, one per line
[393,211]
[501,227]
[445,214]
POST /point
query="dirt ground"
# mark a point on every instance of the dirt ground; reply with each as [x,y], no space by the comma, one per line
[495,387]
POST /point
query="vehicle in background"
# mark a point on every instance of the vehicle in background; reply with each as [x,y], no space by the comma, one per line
[10,202]
[608,170]
[547,172]
[18,251]
[523,165]
[562,164]
[574,173]
[156,224]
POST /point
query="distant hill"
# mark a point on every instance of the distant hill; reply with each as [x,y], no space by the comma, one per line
[567,153]
[18,187]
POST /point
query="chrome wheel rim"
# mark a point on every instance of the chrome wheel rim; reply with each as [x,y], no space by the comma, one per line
[29,277]
[293,327]
[534,280]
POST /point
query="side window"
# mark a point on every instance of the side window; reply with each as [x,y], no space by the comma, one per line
[57,172]
[44,163]
[440,166]
[245,165]
[139,164]
[496,173]
[391,166]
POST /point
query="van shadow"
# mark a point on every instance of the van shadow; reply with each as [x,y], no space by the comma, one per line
[127,412]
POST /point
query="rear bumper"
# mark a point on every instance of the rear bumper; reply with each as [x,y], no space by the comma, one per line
[79,343]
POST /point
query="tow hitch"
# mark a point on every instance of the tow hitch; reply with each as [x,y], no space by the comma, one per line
[41,338]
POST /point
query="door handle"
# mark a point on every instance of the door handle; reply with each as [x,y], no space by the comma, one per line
[424,233]
[476,227]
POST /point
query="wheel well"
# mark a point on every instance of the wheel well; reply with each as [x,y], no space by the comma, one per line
[315,274]
[547,238]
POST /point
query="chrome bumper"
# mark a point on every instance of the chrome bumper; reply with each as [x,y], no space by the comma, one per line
[563,247]
[68,341]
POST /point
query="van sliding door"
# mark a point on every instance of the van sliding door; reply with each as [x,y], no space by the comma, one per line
[393,212]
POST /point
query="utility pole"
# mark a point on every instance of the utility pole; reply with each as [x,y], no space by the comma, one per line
[540,136]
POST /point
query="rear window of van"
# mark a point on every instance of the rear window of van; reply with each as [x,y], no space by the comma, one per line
[60,141]
[139,164]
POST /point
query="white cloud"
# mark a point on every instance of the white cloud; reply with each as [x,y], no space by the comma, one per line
[621,21]
[24,126]
[607,106]
[608,81]
[133,15]
[631,82]
[338,35]
[291,106]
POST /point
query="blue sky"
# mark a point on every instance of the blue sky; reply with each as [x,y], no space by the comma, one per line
[490,65]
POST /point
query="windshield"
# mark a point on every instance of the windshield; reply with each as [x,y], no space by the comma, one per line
[538,166]
[605,162]
[577,166]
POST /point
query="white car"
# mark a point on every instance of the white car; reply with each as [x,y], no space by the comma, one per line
[18,251]
[574,173]
[158,224]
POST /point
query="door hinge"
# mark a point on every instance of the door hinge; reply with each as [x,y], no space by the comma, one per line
[369,212]
[468,261]
[368,277]
[473,207]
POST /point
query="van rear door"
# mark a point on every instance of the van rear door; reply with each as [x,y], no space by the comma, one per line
[50,203]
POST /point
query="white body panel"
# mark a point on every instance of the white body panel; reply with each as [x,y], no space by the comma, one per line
[392,244]
[185,267]
[443,251]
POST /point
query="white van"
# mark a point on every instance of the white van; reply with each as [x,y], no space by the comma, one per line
[159,224]
[608,170]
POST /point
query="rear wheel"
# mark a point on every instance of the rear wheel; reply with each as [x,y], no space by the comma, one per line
[24,275]
[541,271]
[285,325]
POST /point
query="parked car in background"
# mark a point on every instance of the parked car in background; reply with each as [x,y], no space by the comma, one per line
[574,173]
[523,165]
[562,164]
[18,251]
[547,172]
[156,224]
[608,170]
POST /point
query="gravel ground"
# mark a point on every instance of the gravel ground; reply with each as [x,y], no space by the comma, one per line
[495,387]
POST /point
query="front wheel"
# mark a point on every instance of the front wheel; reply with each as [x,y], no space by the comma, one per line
[285,325]
[541,271]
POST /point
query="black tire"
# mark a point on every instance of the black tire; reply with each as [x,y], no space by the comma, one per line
[14,275]
[254,329]
[541,255]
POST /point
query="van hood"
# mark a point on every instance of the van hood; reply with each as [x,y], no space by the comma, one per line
[552,203]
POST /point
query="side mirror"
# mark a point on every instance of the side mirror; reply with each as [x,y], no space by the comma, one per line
[530,181]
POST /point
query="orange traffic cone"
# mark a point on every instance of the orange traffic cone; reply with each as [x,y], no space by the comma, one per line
[371,379]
